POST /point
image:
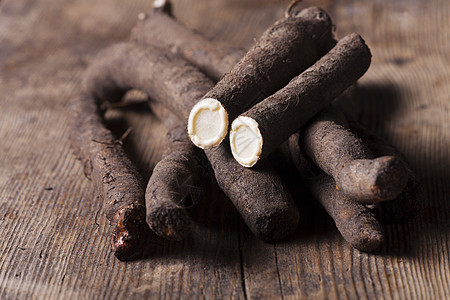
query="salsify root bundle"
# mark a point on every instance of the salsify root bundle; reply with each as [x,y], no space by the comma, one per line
[259,195]
[294,71]
[161,28]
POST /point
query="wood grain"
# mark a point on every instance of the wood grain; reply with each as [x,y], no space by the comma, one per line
[55,240]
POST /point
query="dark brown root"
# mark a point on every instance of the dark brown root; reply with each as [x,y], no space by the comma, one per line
[341,154]
[115,178]
[169,220]
[259,195]
[124,66]
[356,223]
[174,178]
[409,203]
[405,207]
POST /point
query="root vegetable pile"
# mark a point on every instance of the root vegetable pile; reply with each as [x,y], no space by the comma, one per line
[259,194]
[285,99]
[284,50]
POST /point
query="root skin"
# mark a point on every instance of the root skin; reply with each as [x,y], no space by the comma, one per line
[374,180]
[284,50]
[107,78]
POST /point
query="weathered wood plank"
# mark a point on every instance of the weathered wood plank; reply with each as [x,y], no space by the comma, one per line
[55,241]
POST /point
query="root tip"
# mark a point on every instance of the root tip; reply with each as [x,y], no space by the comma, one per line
[391,179]
[171,223]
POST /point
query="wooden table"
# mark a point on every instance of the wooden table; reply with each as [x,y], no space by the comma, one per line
[55,239]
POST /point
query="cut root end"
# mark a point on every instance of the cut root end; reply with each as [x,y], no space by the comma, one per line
[246,141]
[391,179]
[208,123]
[170,222]
[129,234]
[373,181]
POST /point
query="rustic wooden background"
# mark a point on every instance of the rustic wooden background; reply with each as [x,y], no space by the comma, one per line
[54,242]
